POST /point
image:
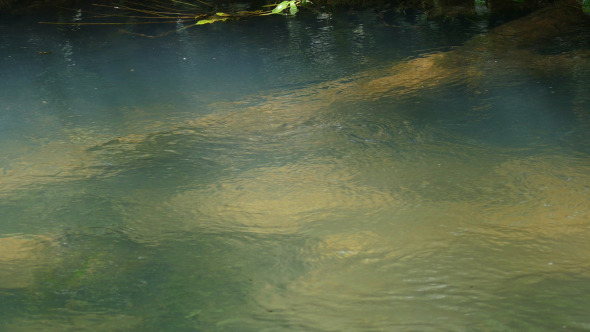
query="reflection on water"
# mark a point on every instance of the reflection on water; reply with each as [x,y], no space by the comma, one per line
[425,196]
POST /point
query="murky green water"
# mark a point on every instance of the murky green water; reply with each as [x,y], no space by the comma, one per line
[339,174]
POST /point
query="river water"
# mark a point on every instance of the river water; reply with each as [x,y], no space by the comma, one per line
[324,172]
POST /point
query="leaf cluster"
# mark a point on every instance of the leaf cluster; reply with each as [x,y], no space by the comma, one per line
[293,6]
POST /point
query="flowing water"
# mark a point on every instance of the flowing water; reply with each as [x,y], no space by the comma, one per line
[328,172]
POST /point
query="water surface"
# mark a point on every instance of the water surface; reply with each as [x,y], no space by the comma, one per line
[328,172]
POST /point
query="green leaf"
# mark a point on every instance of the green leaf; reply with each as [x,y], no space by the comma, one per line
[222,14]
[280,7]
[201,22]
[293,8]
[211,20]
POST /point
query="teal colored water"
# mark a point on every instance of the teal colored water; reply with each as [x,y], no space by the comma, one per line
[327,172]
